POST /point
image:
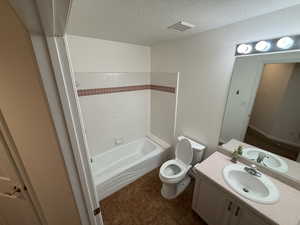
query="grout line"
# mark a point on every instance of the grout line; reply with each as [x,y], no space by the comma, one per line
[101,91]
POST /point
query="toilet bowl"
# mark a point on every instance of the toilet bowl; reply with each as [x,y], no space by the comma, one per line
[174,173]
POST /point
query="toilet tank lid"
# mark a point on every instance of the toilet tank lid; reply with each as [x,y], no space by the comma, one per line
[195,145]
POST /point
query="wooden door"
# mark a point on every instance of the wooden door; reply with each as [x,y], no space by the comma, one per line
[15,205]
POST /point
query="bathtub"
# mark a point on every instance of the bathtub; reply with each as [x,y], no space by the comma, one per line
[124,164]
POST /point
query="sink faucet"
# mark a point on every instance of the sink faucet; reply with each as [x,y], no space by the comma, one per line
[261,157]
[252,170]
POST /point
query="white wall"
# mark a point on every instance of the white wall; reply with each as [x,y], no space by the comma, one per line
[96,55]
[205,62]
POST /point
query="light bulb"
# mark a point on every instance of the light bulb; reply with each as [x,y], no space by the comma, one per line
[244,49]
[263,46]
[285,43]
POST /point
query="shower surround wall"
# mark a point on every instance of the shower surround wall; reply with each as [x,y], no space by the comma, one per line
[119,108]
[122,102]
[164,106]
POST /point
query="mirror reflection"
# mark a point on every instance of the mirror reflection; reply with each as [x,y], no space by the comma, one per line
[274,123]
[263,115]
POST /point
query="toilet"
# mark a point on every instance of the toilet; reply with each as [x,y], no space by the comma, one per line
[174,173]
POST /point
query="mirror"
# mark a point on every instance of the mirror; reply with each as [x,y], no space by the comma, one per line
[263,112]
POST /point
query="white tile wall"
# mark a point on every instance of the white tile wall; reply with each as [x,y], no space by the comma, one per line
[163,106]
[164,79]
[105,80]
[162,115]
[108,117]
[126,116]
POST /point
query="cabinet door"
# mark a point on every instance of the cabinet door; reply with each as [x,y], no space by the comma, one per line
[212,205]
[242,216]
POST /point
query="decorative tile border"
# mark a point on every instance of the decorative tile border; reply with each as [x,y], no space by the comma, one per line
[162,88]
[101,91]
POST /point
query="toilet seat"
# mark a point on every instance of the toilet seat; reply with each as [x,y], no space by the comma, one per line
[167,176]
[173,171]
[184,152]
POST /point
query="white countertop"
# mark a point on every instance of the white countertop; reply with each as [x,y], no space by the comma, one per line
[284,212]
[293,166]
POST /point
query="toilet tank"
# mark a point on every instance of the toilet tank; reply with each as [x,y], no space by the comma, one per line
[198,149]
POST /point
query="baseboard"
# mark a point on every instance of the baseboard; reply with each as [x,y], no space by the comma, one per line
[278,141]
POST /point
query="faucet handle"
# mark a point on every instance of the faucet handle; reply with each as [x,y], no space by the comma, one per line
[253,170]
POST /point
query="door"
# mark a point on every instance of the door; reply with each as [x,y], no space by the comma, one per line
[244,83]
[16,207]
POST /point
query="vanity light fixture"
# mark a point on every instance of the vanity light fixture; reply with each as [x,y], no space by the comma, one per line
[280,44]
[285,43]
[244,49]
[263,46]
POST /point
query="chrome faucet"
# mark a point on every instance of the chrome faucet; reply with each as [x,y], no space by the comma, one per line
[252,170]
[261,157]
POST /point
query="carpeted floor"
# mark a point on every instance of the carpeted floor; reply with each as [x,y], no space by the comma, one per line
[141,203]
[258,140]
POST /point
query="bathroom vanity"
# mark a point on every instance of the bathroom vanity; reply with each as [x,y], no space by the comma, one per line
[216,202]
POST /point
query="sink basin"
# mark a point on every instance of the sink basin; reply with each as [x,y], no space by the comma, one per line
[258,189]
[271,161]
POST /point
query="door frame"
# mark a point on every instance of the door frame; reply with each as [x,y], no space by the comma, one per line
[64,75]
[46,23]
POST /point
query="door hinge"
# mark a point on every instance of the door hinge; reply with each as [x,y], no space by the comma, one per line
[97,211]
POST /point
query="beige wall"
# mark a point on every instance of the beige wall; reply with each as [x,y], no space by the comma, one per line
[26,112]
[288,128]
[205,62]
[269,96]
[276,109]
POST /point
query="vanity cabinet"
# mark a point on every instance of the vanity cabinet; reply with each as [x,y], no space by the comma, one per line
[242,216]
[217,207]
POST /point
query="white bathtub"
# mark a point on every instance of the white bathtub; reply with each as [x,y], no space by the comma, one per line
[124,164]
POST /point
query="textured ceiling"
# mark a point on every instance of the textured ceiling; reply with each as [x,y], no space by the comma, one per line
[145,22]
